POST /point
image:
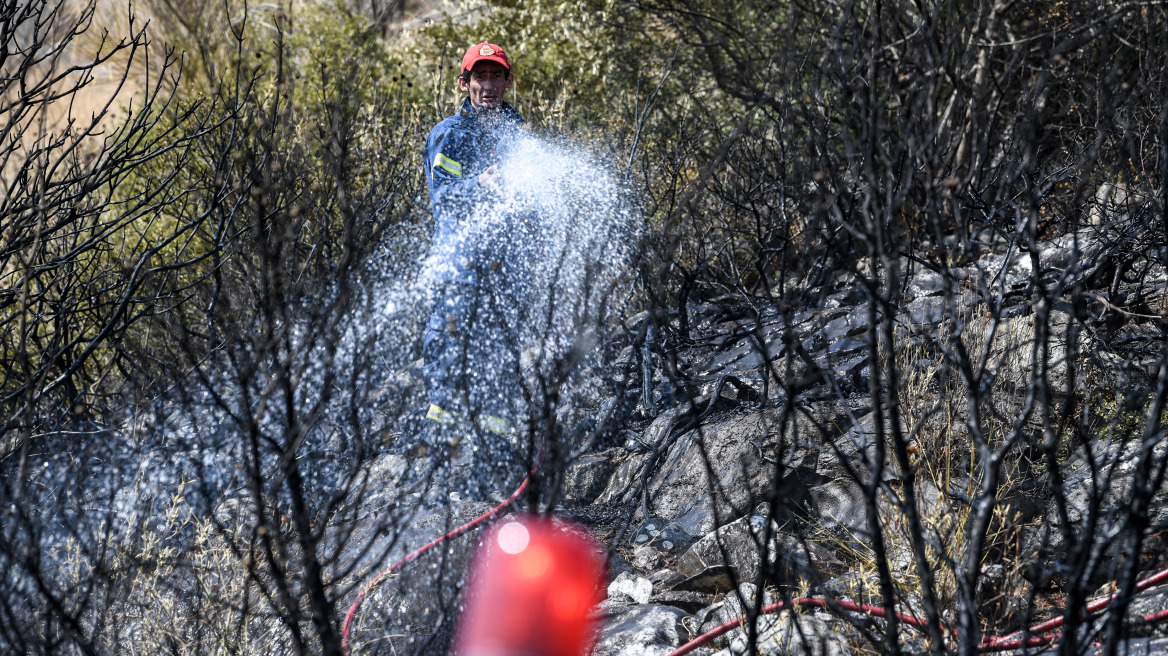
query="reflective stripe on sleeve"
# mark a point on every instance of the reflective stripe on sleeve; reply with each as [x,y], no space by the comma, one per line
[441,416]
[496,425]
[451,166]
[491,423]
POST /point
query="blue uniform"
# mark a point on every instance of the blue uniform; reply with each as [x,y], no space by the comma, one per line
[470,349]
[457,150]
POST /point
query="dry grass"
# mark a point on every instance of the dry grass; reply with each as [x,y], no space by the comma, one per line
[182,584]
[934,402]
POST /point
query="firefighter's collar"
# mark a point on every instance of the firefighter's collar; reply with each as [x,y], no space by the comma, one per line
[509,112]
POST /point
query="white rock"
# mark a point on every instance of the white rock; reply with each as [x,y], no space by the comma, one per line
[646,557]
[634,587]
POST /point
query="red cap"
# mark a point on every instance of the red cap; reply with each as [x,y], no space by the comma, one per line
[484,52]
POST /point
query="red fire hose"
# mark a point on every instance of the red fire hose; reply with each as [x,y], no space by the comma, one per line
[1094,606]
[1038,633]
[803,602]
[990,644]
[347,627]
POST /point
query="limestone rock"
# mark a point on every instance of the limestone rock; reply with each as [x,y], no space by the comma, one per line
[680,490]
[665,579]
[634,587]
[646,557]
[735,553]
[687,600]
[813,634]
[738,546]
[1136,647]
[642,630]
[586,477]
[1114,475]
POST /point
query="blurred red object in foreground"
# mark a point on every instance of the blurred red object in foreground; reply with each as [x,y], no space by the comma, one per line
[531,589]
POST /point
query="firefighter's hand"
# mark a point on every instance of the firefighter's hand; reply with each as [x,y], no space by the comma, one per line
[489,179]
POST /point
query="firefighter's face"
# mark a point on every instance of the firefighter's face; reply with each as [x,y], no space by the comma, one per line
[488,80]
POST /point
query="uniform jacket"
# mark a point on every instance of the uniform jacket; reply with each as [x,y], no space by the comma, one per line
[457,150]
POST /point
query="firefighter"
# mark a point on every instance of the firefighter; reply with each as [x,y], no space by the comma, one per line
[470,349]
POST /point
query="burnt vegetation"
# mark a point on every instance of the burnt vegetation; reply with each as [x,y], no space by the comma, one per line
[893,332]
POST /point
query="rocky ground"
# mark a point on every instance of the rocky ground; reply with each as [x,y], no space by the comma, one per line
[713,503]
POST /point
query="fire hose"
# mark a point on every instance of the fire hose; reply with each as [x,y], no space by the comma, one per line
[347,627]
[988,645]
[355,607]
[1038,633]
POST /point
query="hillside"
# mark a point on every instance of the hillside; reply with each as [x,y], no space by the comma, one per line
[854,308]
